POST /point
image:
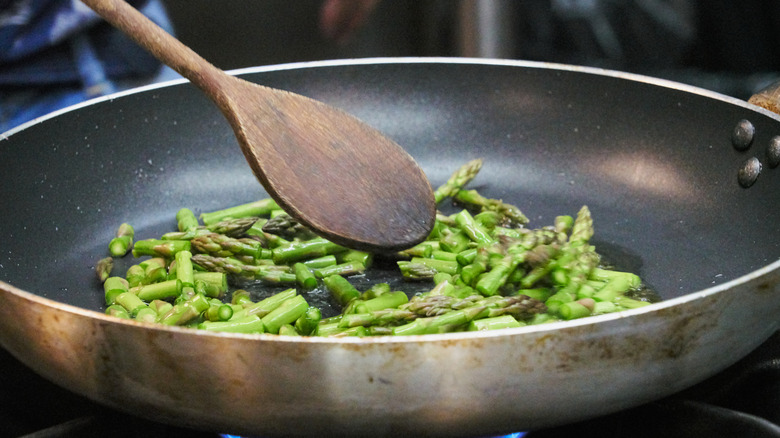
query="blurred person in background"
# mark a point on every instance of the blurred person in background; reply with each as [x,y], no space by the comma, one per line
[56,53]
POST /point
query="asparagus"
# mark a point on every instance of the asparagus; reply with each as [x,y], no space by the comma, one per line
[121,244]
[186,220]
[211,284]
[366,259]
[297,251]
[114,286]
[218,312]
[236,227]
[159,247]
[267,305]
[320,262]
[475,231]
[582,230]
[458,179]
[104,267]
[344,269]
[184,273]
[234,267]
[387,300]
[158,291]
[508,213]
[259,208]
[117,311]
[287,312]
[494,323]
[247,324]
[304,277]
[130,302]
[185,311]
[286,226]
[220,245]
[307,323]
[487,271]
[341,289]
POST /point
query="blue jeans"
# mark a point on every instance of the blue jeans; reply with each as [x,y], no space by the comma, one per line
[25,96]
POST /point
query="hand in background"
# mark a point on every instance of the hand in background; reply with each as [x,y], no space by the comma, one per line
[339,19]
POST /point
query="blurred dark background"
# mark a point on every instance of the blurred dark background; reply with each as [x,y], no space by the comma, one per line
[723,45]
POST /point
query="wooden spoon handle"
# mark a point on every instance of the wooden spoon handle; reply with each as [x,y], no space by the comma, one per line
[159,43]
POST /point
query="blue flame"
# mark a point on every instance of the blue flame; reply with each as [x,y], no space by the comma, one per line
[510,435]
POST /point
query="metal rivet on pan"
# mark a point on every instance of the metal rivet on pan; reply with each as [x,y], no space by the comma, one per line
[773,152]
[742,136]
[748,173]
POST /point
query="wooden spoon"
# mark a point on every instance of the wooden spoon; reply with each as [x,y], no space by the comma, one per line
[324,167]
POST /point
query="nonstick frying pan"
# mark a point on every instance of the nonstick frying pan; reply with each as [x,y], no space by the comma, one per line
[652,159]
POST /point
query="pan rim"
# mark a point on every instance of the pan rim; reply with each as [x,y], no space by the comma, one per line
[693,296]
[665,83]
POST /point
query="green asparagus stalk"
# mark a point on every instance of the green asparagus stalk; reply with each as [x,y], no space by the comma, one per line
[184,272]
[114,286]
[146,314]
[288,330]
[454,240]
[472,229]
[304,276]
[121,244]
[341,289]
[160,307]
[233,227]
[223,246]
[211,284]
[267,305]
[298,251]
[508,212]
[457,180]
[320,262]
[218,312]
[582,230]
[130,302]
[287,313]
[158,291]
[186,220]
[248,325]
[375,291]
[103,268]
[154,270]
[351,255]
[385,301]
[259,208]
[117,311]
[185,311]
[343,269]
[494,323]
[160,248]
[307,323]
[286,226]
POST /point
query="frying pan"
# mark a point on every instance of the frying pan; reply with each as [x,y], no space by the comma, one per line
[652,159]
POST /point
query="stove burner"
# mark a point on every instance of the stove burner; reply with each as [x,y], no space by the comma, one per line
[510,435]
